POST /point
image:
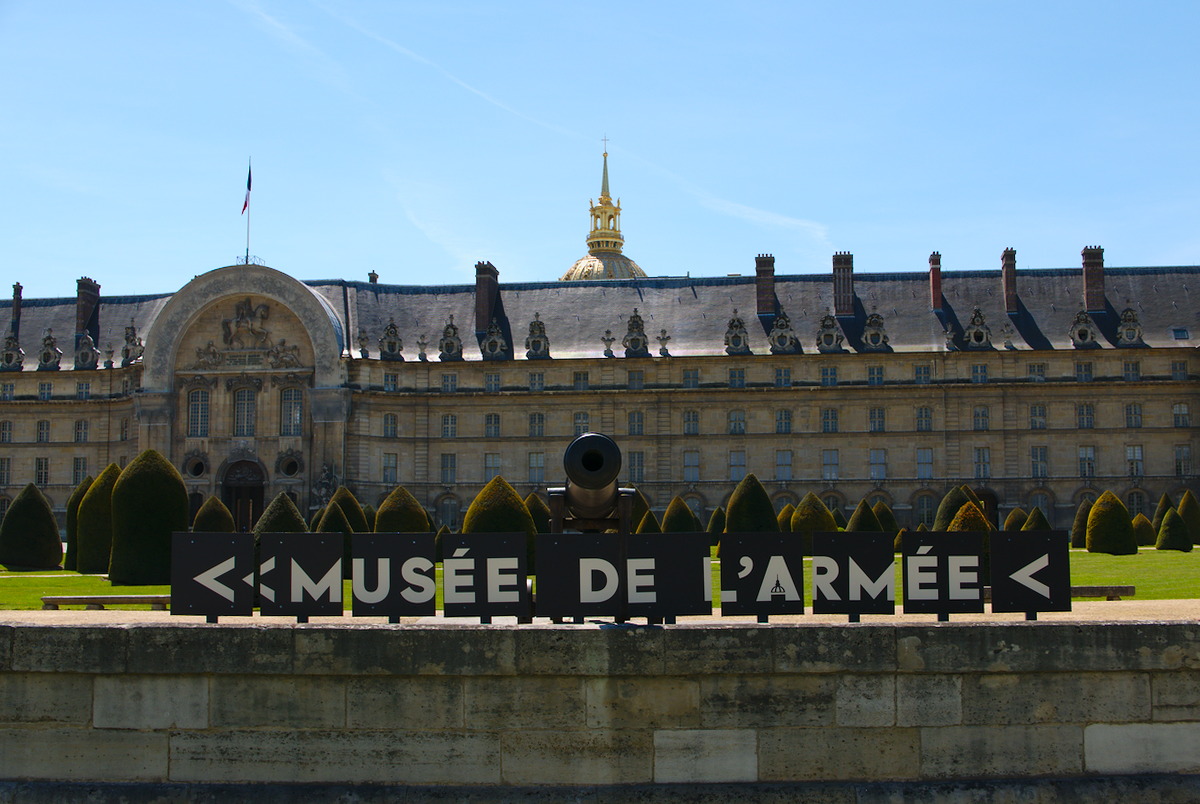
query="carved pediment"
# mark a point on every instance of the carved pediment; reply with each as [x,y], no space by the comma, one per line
[494,346]
[87,356]
[244,380]
[196,381]
[50,356]
[1129,331]
[782,337]
[635,341]
[737,340]
[829,335]
[537,344]
[977,334]
[291,378]
[1084,333]
[874,338]
[450,345]
[13,356]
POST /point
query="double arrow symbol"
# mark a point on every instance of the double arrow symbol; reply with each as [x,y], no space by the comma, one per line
[209,579]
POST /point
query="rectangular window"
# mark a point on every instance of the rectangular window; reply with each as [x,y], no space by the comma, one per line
[449,426]
[1039,464]
[43,431]
[983,462]
[878,464]
[5,432]
[1179,370]
[78,471]
[6,471]
[537,381]
[1183,461]
[537,468]
[829,465]
[783,464]
[7,392]
[737,422]
[41,471]
[636,380]
[244,413]
[1085,416]
[829,420]
[579,381]
[922,375]
[197,422]
[83,390]
[389,468]
[1037,372]
[491,426]
[389,425]
[1083,371]
[737,464]
[783,422]
[582,420]
[691,422]
[828,375]
[691,466]
[637,467]
[979,372]
[982,417]
[1132,370]
[783,378]
[491,381]
[1037,417]
[1133,415]
[874,375]
[291,412]
[390,381]
[737,378]
[924,463]
[1181,414]
[491,465]
[691,378]
[924,419]
[637,422]
[124,434]
[1134,464]
[537,425]
[449,468]
[45,391]
[876,421]
[1087,461]
[81,433]
[449,383]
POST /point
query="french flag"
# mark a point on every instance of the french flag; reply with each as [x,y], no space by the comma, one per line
[246,203]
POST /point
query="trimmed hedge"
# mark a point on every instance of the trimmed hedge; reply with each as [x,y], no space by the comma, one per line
[94,529]
[649,524]
[314,521]
[716,525]
[369,514]
[1079,525]
[1189,511]
[638,508]
[863,519]
[280,516]
[1143,531]
[969,518]
[1173,535]
[885,517]
[1036,520]
[955,499]
[73,521]
[678,518]
[401,512]
[214,517]
[498,509]
[149,503]
[1165,503]
[1015,519]
[29,536]
[351,508]
[750,509]
[784,517]
[539,511]
[811,517]
[1109,529]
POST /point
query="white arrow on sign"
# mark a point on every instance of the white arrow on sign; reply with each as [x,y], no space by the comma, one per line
[1024,575]
[208,578]
[263,589]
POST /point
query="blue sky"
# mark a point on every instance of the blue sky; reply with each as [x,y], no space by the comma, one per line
[417,138]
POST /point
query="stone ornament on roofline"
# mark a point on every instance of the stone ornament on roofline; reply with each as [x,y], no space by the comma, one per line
[450,345]
[875,337]
[977,334]
[635,342]
[13,356]
[422,345]
[737,340]
[495,347]
[537,344]
[1084,334]
[50,358]
[87,356]
[663,338]
[363,341]
[829,334]
[608,340]
[1129,332]
[782,337]
[133,349]
[390,345]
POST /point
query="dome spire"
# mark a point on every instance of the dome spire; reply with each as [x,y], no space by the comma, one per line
[604,182]
[604,241]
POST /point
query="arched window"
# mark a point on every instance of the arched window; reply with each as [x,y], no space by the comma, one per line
[449,426]
[291,412]
[197,414]
[244,412]
[389,425]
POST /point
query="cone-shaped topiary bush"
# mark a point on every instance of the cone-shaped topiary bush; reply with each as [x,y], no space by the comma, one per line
[351,508]
[970,492]
[649,524]
[314,521]
[400,512]
[898,542]
[1165,503]
[369,515]
[885,517]
[1109,529]
[149,503]
[73,521]
[716,525]
[1015,519]
[213,517]
[639,508]
[1079,525]
[29,533]
[1036,520]
[1143,531]
[955,499]
[784,517]
[811,516]
[437,541]
[839,518]
[969,518]
[678,518]
[863,518]
[539,511]
[750,509]
[335,521]
[1189,511]
[280,516]
[498,509]
[94,529]
[921,528]
[1173,535]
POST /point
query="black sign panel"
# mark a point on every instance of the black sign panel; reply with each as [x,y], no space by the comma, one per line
[484,575]
[668,574]
[854,573]
[579,575]
[762,574]
[212,574]
[394,575]
[1031,571]
[943,572]
[300,574]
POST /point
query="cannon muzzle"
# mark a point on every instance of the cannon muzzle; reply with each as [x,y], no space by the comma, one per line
[592,462]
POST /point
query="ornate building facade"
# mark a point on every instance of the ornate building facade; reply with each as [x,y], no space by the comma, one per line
[1037,387]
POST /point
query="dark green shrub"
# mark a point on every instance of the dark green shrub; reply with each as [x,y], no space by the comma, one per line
[898,542]
[314,521]
[1079,525]
[437,542]
[649,524]
[639,508]
[1189,512]
[538,511]
[954,500]
[1036,520]
[213,517]
[921,528]
[1165,503]
[678,518]
[970,518]
[73,521]
[334,521]
[280,516]
[750,509]
[1015,519]
[885,517]
[1143,531]
[369,515]
[400,512]
[811,516]
[784,517]
[498,509]
[29,536]
[351,508]
[839,518]
[149,503]
[863,518]
[716,525]
[1173,535]
[94,529]
[1109,529]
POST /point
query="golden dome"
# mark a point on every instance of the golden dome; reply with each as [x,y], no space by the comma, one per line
[604,265]
[604,259]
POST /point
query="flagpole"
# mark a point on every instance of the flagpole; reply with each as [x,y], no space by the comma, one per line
[247,211]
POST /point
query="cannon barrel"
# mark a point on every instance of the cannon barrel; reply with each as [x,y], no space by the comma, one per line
[592,462]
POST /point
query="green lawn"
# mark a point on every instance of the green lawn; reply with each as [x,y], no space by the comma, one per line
[1157,574]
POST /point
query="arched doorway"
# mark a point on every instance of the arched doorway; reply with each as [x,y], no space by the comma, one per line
[242,491]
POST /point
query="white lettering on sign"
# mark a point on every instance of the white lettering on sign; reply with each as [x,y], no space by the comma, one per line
[706,578]
[358,569]
[776,578]
[963,571]
[825,572]
[1024,575]
[418,573]
[861,583]
[208,578]
[457,577]
[502,573]
[922,575]
[589,569]
[330,585]
[267,592]
[640,577]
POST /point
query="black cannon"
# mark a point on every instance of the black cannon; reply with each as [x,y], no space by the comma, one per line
[591,500]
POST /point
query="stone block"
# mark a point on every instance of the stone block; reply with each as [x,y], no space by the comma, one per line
[764,701]
[838,649]
[923,700]
[524,702]
[577,757]
[964,752]
[642,703]
[6,640]
[1176,696]
[353,650]
[84,754]
[68,649]
[590,651]
[469,650]
[404,702]
[202,648]
[1004,698]
[866,700]
[45,698]
[708,756]
[297,702]
[150,702]
[832,754]
[1142,748]
[718,649]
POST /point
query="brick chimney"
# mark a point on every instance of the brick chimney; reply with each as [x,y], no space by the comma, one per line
[15,324]
[764,283]
[1093,279]
[87,308]
[1008,279]
[373,278]
[935,281]
[843,283]
[487,293]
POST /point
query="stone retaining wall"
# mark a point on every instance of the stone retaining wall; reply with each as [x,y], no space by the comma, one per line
[592,705]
